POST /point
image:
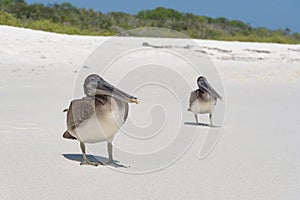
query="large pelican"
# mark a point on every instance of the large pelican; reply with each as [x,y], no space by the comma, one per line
[98,116]
[204,99]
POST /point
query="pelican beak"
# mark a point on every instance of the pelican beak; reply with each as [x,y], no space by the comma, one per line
[105,88]
[134,100]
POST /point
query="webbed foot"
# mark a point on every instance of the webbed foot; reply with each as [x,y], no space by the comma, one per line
[87,162]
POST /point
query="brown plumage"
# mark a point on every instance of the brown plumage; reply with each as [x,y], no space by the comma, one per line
[98,116]
[80,110]
[204,99]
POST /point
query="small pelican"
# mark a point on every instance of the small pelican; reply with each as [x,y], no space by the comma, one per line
[204,99]
[98,116]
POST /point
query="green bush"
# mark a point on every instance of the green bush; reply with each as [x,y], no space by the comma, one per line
[68,19]
[8,19]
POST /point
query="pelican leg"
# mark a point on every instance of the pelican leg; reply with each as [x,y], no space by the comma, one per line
[85,161]
[196,117]
[210,118]
[110,155]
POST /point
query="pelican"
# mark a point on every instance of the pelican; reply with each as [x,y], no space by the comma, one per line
[204,99]
[98,116]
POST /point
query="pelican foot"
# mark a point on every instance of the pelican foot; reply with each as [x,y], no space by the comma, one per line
[110,162]
[87,162]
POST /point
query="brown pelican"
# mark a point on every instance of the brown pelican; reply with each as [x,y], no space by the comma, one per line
[98,116]
[204,99]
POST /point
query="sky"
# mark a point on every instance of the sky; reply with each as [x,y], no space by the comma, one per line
[272,14]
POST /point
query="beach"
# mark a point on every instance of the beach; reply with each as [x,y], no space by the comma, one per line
[257,154]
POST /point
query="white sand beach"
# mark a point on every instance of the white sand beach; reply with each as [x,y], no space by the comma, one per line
[256,157]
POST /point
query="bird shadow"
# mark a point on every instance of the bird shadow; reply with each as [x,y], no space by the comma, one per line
[92,158]
[201,124]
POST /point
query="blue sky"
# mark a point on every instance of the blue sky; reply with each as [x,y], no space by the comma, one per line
[272,14]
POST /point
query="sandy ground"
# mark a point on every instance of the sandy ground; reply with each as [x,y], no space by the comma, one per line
[257,156]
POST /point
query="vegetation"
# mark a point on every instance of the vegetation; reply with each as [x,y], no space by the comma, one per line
[66,18]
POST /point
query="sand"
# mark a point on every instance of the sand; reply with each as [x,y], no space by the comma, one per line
[257,155]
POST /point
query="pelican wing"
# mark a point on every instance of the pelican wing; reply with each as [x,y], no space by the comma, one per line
[194,96]
[204,85]
[79,111]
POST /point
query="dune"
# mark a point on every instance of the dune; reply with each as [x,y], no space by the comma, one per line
[254,155]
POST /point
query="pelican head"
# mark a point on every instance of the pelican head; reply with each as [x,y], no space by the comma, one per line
[95,85]
[205,86]
[201,81]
